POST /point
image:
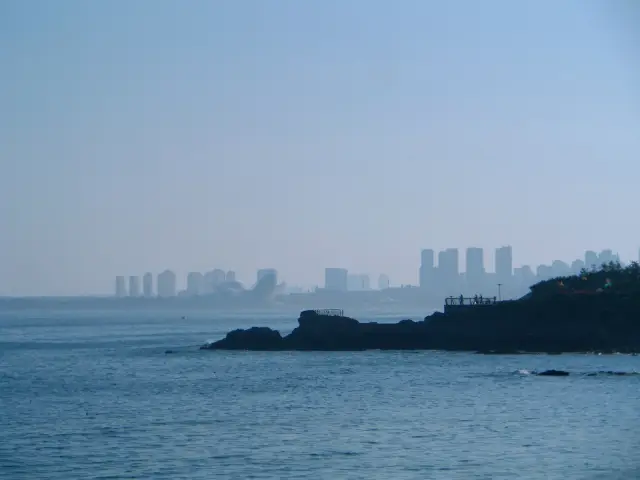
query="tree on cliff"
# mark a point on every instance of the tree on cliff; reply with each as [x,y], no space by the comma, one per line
[610,276]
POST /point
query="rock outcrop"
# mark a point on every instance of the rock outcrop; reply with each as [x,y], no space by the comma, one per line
[607,322]
[553,373]
[255,338]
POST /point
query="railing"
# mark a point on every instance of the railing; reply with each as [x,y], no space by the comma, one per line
[479,300]
[331,312]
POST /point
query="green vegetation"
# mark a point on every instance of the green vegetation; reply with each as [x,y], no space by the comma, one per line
[610,277]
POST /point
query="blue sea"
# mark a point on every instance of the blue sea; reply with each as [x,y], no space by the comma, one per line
[93,395]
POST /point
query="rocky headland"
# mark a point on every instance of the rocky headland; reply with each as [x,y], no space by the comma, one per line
[596,311]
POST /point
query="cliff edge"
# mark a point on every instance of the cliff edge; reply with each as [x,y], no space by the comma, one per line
[569,314]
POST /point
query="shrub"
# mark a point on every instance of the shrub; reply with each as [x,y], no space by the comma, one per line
[612,275]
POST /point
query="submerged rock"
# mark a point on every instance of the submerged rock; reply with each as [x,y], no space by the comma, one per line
[553,373]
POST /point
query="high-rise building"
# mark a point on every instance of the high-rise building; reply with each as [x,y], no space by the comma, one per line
[560,268]
[524,276]
[357,282]
[147,285]
[383,281]
[606,256]
[195,283]
[590,259]
[230,276]
[544,272]
[219,276]
[212,280]
[449,271]
[474,270]
[427,270]
[450,262]
[134,286]
[166,284]
[576,266]
[336,279]
[121,287]
[504,264]
[264,272]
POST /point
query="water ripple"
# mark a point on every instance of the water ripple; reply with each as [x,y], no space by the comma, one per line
[123,409]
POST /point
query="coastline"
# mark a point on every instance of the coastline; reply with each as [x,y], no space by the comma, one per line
[562,324]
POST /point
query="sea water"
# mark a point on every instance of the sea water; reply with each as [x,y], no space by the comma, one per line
[94,395]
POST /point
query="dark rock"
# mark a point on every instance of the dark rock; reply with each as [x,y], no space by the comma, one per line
[255,338]
[553,373]
[549,323]
[168,352]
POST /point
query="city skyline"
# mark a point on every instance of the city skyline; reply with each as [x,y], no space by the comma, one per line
[435,271]
[140,136]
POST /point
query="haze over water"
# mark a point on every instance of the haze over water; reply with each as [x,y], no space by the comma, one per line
[139,136]
[90,396]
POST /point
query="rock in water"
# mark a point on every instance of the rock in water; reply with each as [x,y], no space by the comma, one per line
[553,373]
[255,338]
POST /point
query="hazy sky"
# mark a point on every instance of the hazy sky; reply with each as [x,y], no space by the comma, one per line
[138,135]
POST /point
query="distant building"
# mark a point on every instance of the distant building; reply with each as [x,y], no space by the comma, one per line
[121,287]
[219,276]
[560,268]
[591,259]
[524,276]
[336,279]
[358,282]
[195,284]
[449,271]
[474,269]
[606,256]
[448,262]
[544,272]
[264,272]
[208,286]
[230,276]
[577,266]
[147,285]
[134,286]
[166,284]
[427,268]
[383,282]
[212,280]
[504,264]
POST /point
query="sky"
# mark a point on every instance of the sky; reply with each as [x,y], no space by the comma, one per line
[142,135]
